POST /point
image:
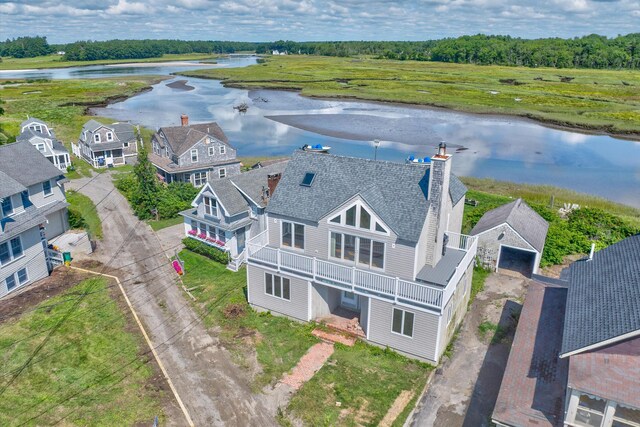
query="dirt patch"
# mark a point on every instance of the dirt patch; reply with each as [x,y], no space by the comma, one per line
[555,271]
[60,280]
[511,82]
[234,311]
[396,409]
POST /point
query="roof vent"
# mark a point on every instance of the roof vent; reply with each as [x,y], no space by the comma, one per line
[308,179]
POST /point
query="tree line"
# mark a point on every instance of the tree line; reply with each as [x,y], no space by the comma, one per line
[593,51]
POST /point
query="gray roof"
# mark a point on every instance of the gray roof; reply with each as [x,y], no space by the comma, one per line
[9,186]
[30,135]
[444,270]
[232,226]
[33,120]
[92,125]
[397,192]
[604,296]
[123,132]
[524,220]
[229,196]
[182,138]
[14,157]
[16,224]
[457,189]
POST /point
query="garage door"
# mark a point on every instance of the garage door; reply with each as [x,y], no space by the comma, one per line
[517,260]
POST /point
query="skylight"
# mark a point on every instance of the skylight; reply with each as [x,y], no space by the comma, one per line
[308,179]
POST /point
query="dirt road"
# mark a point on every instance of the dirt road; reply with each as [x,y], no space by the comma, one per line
[213,389]
[464,390]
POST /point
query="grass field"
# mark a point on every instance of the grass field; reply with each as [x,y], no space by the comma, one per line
[87,210]
[56,61]
[594,99]
[87,367]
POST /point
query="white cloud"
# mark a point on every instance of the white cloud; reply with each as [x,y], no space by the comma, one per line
[124,7]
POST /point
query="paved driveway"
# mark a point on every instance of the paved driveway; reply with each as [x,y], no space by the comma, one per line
[464,390]
[212,388]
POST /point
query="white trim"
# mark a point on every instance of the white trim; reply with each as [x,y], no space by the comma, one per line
[356,260]
[222,171]
[368,316]
[604,343]
[436,355]
[211,151]
[517,248]
[282,278]
[293,236]
[309,303]
[413,324]
[511,228]
[191,155]
[223,149]
[357,200]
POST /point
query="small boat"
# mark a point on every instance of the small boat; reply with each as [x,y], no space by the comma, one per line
[318,148]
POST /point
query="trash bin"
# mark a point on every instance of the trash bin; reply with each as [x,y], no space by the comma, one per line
[66,257]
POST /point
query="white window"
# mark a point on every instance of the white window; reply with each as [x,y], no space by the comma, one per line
[10,250]
[212,151]
[277,286]
[46,187]
[590,411]
[199,178]
[345,247]
[222,172]
[210,206]
[40,147]
[223,149]
[292,235]
[194,155]
[96,137]
[11,282]
[626,417]
[126,144]
[22,276]
[109,136]
[402,322]
[7,206]
[359,217]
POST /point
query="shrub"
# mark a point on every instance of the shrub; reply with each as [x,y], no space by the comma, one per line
[75,219]
[205,250]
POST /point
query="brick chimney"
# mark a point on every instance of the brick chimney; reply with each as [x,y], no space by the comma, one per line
[184,119]
[439,178]
[272,182]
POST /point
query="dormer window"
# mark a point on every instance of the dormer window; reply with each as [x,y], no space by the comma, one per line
[194,156]
[96,137]
[46,187]
[109,136]
[210,206]
[7,206]
[40,147]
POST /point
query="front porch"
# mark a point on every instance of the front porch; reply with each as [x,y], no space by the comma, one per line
[340,310]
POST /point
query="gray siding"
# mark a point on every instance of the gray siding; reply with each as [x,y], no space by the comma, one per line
[33,259]
[364,313]
[323,300]
[58,223]
[489,244]
[37,197]
[455,217]
[455,309]
[297,307]
[425,331]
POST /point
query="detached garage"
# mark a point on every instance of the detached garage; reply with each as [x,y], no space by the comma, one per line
[511,237]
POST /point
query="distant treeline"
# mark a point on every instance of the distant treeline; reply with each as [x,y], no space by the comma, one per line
[594,51]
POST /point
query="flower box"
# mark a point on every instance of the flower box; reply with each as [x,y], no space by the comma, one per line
[192,232]
[202,236]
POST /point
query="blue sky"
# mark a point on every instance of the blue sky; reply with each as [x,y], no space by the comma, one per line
[263,20]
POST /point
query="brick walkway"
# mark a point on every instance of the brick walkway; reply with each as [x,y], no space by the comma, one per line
[308,365]
[328,336]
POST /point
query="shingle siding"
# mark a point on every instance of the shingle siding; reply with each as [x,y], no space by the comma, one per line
[489,243]
[425,331]
[297,307]
[33,259]
[203,154]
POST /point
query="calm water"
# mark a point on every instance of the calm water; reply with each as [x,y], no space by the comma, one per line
[500,148]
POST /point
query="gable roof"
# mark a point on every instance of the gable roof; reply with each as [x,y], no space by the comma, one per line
[457,189]
[33,120]
[397,192]
[182,138]
[524,220]
[603,304]
[93,125]
[30,135]
[14,157]
[9,186]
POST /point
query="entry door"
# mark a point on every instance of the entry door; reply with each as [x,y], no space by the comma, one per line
[349,300]
[240,236]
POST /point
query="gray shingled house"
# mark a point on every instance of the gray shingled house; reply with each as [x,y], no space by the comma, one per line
[575,359]
[227,212]
[107,145]
[42,136]
[34,209]
[193,153]
[511,237]
[372,240]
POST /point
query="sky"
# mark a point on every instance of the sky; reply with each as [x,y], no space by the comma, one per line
[64,21]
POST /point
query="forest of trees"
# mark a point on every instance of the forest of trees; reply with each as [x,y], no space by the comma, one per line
[593,51]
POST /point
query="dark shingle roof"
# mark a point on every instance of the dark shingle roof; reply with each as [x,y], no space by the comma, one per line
[457,189]
[252,182]
[16,224]
[604,296]
[524,220]
[14,157]
[397,192]
[181,138]
[229,196]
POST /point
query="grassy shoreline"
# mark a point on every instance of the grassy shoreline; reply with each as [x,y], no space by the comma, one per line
[600,101]
[55,61]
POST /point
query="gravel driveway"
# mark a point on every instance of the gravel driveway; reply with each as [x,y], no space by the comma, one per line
[214,390]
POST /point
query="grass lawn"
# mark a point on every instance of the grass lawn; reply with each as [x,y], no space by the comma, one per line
[164,223]
[56,61]
[595,99]
[87,211]
[63,103]
[221,295]
[365,380]
[90,368]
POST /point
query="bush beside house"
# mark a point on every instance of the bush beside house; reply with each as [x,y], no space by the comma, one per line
[205,250]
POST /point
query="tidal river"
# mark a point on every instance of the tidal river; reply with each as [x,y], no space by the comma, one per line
[278,122]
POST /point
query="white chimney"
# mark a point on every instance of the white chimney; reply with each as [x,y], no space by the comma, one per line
[593,249]
[439,178]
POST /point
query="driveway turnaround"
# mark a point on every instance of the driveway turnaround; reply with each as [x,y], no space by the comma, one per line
[213,389]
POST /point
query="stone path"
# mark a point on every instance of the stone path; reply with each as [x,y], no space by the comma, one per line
[328,336]
[308,365]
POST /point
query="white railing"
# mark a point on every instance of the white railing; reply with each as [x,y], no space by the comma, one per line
[468,259]
[460,241]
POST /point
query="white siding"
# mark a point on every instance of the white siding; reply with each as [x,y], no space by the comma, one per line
[33,259]
[297,307]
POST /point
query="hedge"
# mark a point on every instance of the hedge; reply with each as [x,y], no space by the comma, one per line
[205,250]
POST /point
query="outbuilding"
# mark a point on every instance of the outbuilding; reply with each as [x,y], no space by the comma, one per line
[511,237]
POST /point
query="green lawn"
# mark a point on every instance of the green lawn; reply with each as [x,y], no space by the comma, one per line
[83,207]
[56,61]
[221,295]
[164,223]
[365,380]
[90,368]
[595,99]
